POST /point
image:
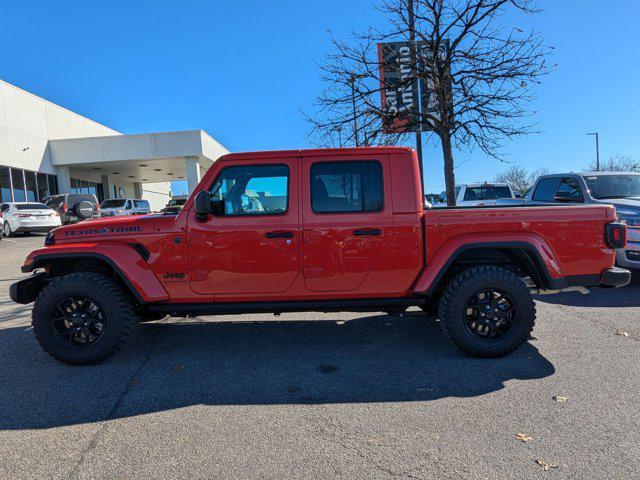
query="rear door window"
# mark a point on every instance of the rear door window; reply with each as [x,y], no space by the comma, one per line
[346,187]
[55,202]
[546,189]
[569,189]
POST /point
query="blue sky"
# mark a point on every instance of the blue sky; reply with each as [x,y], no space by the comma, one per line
[243,70]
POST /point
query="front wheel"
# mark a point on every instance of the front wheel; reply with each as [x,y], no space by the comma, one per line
[487,312]
[82,318]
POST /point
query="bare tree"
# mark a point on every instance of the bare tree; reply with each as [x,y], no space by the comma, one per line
[617,163]
[481,76]
[519,178]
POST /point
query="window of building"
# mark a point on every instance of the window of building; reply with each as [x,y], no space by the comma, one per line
[18,185]
[32,192]
[75,186]
[119,192]
[5,185]
[346,187]
[53,184]
[43,190]
[546,189]
[86,187]
[253,189]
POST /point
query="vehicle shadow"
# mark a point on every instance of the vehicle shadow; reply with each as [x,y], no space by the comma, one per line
[628,296]
[178,364]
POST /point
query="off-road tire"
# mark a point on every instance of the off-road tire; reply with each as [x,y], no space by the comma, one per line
[117,309]
[459,291]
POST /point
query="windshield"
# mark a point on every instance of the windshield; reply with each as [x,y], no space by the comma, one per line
[613,186]
[118,203]
[487,192]
[180,201]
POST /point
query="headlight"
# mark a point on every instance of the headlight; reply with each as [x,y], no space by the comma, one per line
[118,211]
[50,239]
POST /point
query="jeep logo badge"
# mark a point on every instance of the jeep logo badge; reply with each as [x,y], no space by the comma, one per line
[174,276]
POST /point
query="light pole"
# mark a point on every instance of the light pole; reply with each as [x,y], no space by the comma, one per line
[338,128]
[412,43]
[597,150]
[352,82]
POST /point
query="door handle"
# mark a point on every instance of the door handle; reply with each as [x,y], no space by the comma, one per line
[279,234]
[373,232]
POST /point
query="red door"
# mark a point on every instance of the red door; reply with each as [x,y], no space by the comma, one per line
[347,220]
[255,246]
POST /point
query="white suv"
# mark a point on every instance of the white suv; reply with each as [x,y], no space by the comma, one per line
[124,206]
[26,217]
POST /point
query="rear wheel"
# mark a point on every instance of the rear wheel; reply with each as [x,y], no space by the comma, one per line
[487,312]
[82,318]
[6,230]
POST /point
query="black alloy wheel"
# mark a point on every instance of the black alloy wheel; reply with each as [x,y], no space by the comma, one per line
[78,321]
[490,314]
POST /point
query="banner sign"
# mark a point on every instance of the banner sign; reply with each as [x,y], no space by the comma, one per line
[399,95]
[402,99]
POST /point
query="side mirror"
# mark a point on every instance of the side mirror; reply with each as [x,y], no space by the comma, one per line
[202,205]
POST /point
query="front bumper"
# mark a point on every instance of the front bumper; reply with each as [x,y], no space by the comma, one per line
[25,291]
[615,277]
[34,224]
[38,228]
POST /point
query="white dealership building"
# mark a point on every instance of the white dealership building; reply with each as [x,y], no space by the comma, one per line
[46,149]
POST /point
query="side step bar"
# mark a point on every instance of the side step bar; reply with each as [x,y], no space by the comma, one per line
[227,308]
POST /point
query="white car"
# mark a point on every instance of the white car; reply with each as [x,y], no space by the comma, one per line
[124,206]
[479,194]
[26,217]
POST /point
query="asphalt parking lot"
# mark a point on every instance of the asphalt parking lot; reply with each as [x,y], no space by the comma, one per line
[326,396]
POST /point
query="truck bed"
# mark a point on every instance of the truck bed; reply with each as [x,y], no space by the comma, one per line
[570,238]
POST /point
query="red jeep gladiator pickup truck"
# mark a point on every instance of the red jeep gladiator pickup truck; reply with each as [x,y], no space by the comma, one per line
[315,230]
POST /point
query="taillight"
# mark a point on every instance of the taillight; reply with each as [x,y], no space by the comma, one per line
[65,207]
[615,234]
[97,207]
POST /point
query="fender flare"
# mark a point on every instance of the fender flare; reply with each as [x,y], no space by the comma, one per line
[544,261]
[131,268]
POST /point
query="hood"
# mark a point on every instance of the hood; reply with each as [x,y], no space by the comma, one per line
[631,204]
[102,228]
